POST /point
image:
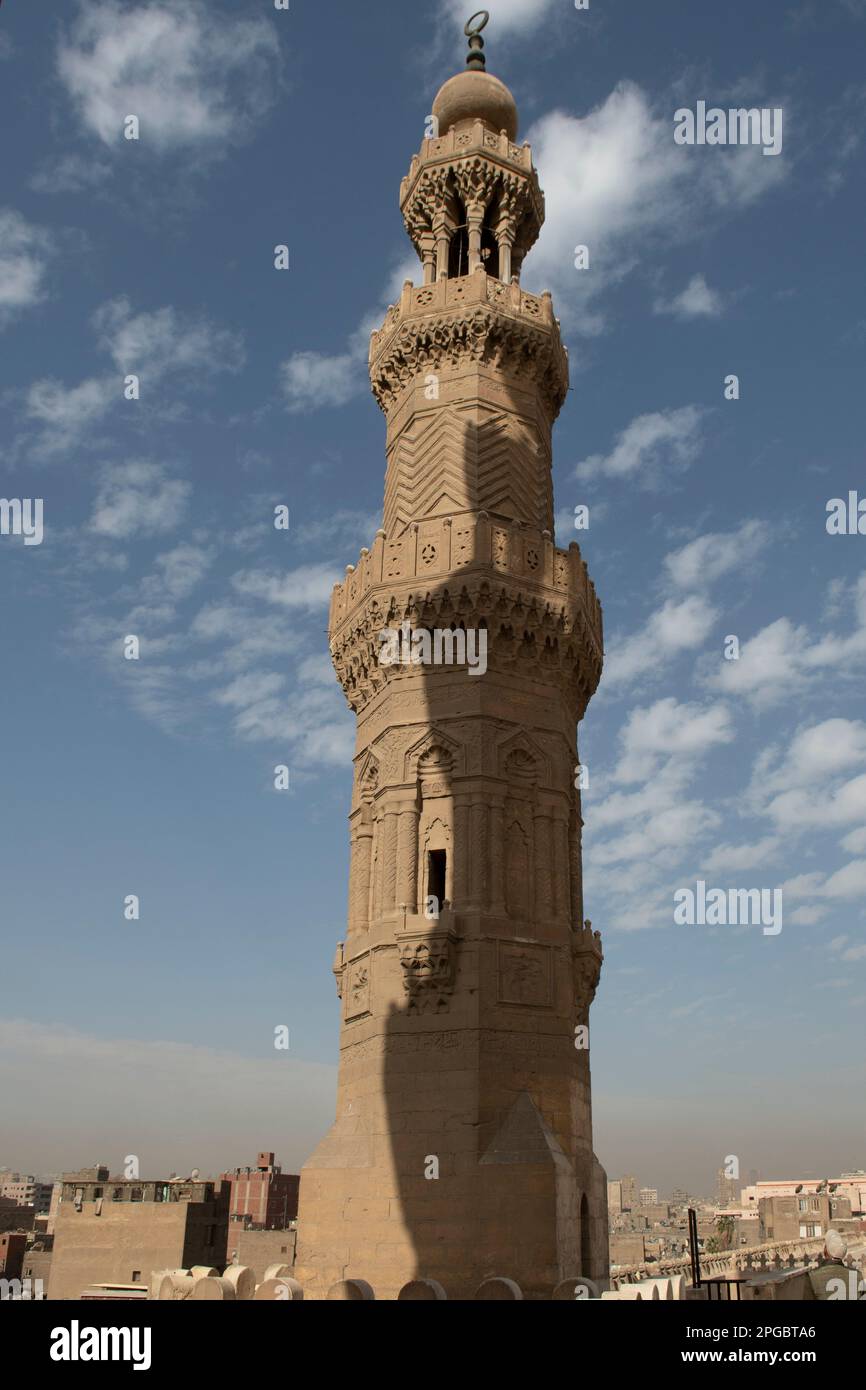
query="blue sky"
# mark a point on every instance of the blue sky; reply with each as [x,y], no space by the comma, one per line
[707,519]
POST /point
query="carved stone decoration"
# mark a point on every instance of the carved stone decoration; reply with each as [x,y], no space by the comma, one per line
[523,347]
[339,967]
[587,959]
[525,974]
[428,961]
[517,874]
[357,986]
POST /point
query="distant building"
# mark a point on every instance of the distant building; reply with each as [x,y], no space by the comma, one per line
[56,1194]
[37,1268]
[630,1198]
[727,1190]
[627,1250]
[264,1198]
[117,1231]
[649,1196]
[25,1190]
[656,1213]
[15,1218]
[802,1217]
[850,1185]
[680,1198]
[12,1247]
[614,1199]
[260,1249]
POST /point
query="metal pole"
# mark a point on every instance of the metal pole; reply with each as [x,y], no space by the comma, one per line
[693,1248]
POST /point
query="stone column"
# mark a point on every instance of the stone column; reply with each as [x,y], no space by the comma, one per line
[460,872]
[497,858]
[427,242]
[478,865]
[442,232]
[407,858]
[378,866]
[359,880]
[543,878]
[561,870]
[505,244]
[474,222]
[389,888]
[576,874]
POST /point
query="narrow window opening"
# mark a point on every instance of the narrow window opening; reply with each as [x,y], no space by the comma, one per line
[436,865]
[489,243]
[458,251]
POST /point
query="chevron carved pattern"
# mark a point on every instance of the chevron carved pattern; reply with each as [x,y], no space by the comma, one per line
[478,459]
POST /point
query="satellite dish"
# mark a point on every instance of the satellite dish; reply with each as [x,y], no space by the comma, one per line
[194,1173]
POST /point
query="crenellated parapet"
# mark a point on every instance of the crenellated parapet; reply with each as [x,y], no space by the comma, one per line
[474,319]
[536,602]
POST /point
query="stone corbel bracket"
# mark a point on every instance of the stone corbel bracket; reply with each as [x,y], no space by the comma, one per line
[339,967]
[428,960]
[587,958]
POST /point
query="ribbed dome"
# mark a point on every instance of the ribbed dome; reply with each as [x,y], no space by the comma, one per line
[472,96]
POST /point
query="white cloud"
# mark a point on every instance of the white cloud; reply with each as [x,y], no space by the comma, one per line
[242,638]
[69,173]
[847,883]
[707,558]
[732,858]
[615,181]
[807,785]
[807,916]
[668,728]
[652,442]
[697,300]
[508,16]
[674,628]
[782,659]
[182,569]
[317,380]
[66,413]
[24,254]
[138,499]
[855,843]
[312,722]
[312,380]
[309,586]
[151,345]
[192,77]
[164,341]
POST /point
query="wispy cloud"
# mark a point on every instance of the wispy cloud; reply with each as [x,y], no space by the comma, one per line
[659,441]
[25,252]
[194,81]
[697,300]
[138,498]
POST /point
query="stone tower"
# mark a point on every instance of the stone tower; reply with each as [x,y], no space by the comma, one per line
[462,1146]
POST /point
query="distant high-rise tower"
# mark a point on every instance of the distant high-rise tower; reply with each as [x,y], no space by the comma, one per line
[462,1146]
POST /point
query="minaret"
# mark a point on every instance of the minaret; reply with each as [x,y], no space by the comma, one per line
[462,1147]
